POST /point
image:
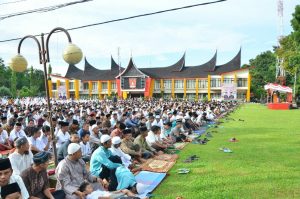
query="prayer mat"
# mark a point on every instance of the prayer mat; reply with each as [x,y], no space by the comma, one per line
[167,157]
[180,145]
[159,166]
[149,181]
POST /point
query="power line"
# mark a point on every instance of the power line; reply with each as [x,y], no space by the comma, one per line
[44,9]
[127,18]
[10,2]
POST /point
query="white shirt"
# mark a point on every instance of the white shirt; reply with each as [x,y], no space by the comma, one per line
[97,194]
[85,149]
[20,162]
[38,143]
[13,134]
[151,138]
[3,137]
[159,123]
[15,178]
[62,138]
[124,157]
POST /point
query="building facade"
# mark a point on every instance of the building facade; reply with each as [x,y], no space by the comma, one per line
[208,80]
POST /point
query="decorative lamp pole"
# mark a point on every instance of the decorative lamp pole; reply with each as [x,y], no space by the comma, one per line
[72,55]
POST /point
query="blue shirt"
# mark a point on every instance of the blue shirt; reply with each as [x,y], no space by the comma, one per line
[99,158]
[125,178]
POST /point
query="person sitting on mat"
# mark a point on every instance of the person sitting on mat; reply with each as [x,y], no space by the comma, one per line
[153,139]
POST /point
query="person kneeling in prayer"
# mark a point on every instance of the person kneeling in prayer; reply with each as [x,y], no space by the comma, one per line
[36,178]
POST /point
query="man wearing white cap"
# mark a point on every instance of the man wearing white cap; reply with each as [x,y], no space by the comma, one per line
[71,172]
[100,164]
[116,150]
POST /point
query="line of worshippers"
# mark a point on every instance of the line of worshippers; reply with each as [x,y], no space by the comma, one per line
[110,142]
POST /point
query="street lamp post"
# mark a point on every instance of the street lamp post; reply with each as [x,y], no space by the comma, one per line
[72,55]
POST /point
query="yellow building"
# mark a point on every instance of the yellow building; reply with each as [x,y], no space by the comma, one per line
[211,81]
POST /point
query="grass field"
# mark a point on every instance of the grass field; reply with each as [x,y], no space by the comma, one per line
[265,163]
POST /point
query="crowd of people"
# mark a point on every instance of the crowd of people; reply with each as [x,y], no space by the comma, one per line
[98,143]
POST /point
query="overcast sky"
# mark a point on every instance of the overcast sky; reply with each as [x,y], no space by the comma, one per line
[152,41]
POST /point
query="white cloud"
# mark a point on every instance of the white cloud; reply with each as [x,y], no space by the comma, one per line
[251,24]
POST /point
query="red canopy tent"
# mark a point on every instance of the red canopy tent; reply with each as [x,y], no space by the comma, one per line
[274,102]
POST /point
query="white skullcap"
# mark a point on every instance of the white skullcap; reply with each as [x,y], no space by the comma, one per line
[104,138]
[157,116]
[116,140]
[94,126]
[73,148]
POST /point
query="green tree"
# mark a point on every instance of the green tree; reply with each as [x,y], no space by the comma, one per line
[4,91]
[49,71]
[296,24]
[13,84]
[262,72]
[31,77]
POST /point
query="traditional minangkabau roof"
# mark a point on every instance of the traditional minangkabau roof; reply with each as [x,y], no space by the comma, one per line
[74,72]
[177,70]
[132,70]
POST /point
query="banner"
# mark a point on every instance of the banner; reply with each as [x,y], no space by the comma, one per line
[229,91]
[62,93]
[132,82]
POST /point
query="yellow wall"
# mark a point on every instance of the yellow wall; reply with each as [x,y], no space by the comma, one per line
[67,89]
[57,87]
[208,88]
[76,89]
[197,87]
[173,88]
[249,87]
[235,78]
[124,95]
[184,88]
[99,89]
[161,85]
[222,79]
[109,88]
[90,88]
[151,87]
[50,88]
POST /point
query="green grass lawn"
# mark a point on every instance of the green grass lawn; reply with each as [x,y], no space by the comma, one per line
[265,163]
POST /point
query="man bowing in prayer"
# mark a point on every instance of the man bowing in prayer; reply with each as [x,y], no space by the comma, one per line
[71,173]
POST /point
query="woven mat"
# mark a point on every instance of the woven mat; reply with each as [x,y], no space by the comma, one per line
[180,145]
[160,166]
[167,157]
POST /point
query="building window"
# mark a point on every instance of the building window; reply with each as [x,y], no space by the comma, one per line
[157,84]
[228,80]
[241,95]
[85,86]
[178,83]
[71,85]
[142,82]
[122,82]
[94,85]
[202,83]
[113,85]
[167,84]
[104,85]
[215,83]
[242,82]
[53,86]
[215,95]
[191,84]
